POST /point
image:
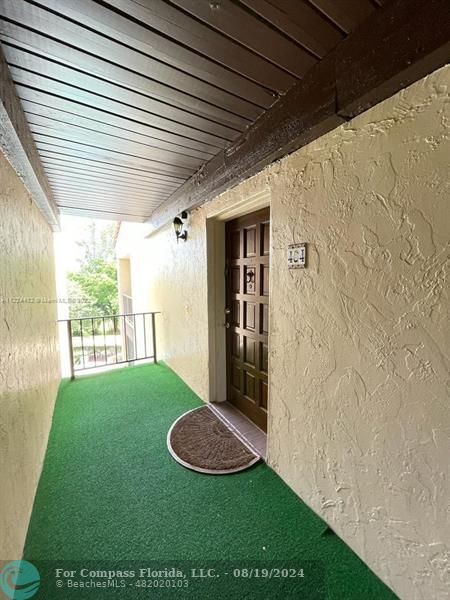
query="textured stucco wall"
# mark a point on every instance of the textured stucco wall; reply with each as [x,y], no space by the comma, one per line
[359,421]
[123,281]
[171,278]
[361,430]
[29,366]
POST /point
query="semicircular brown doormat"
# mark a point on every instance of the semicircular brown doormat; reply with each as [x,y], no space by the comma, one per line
[201,441]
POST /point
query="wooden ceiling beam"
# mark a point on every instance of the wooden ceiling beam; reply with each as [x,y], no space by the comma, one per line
[403,42]
[396,46]
[16,142]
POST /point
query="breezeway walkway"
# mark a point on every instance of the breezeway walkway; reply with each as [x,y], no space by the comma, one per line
[111,497]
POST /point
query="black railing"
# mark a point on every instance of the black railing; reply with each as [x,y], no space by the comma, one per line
[103,341]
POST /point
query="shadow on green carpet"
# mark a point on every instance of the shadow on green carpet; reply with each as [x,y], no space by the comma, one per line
[112,498]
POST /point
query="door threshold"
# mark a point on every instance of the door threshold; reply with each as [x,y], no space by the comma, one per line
[251,434]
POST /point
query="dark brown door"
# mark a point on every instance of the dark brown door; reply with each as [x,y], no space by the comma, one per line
[247,318]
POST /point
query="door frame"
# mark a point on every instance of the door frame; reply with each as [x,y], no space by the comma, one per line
[215,247]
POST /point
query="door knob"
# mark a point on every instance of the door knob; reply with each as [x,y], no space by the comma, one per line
[227,325]
[227,311]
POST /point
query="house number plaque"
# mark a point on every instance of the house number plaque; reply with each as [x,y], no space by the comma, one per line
[296,256]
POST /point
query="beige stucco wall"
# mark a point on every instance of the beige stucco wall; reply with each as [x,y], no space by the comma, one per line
[359,419]
[171,277]
[123,280]
[29,366]
[124,276]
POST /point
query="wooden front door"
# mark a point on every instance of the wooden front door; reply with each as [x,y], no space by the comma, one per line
[247,314]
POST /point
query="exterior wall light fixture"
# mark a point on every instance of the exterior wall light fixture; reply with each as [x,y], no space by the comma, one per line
[178,226]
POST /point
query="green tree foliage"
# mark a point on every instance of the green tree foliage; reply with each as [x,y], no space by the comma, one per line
[96,282]
[93,288]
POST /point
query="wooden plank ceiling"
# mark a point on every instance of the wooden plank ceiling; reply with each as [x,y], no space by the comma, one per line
[127,99]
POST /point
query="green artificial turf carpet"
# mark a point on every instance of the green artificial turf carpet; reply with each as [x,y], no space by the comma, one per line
[112,498]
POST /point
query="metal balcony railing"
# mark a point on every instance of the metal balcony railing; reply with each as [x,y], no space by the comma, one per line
[102,341]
